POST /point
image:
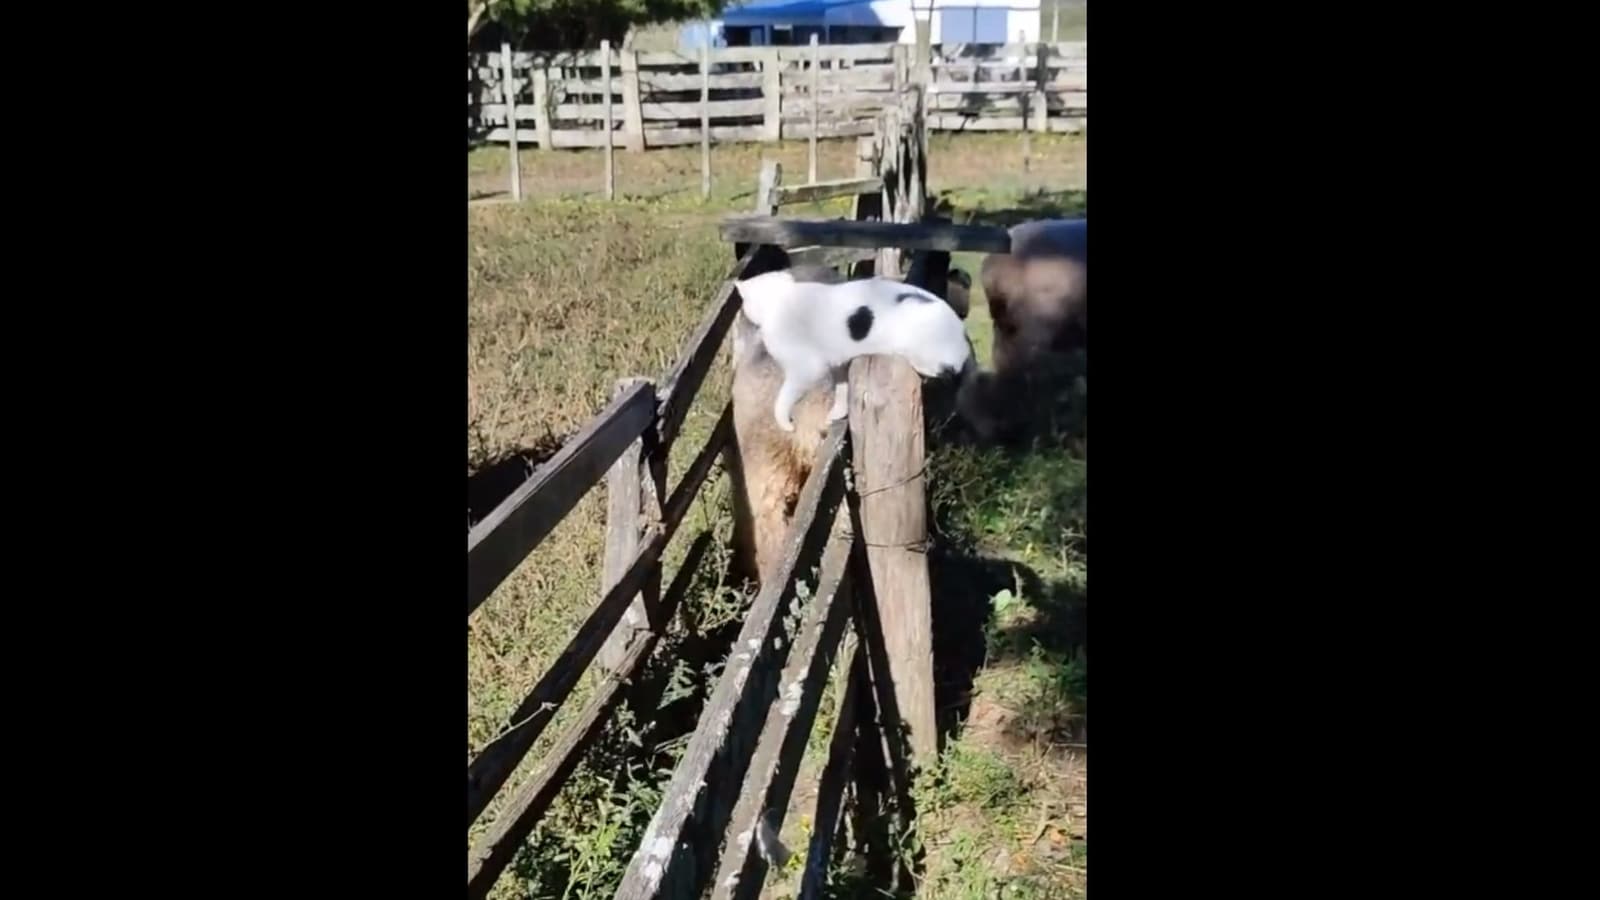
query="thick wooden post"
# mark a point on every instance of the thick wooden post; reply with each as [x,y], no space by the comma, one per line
[867,207]
[888,162]
[766,204]
[767,187]
[508,91]
[633,499]
[1027,107]
[815,100]
[772,93]
[922,66]
[705,115]
[916,152]
[605,85]
[886,432]
[632,112]
[541,102]
[922,75]
[1039,106]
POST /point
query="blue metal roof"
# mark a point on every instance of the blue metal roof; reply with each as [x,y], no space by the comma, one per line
[798,12]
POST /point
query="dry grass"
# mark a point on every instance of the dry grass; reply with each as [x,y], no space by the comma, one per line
[565,298]
[567,294]
[671,175]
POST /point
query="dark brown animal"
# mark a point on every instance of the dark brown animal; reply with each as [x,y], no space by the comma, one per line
[1038,298]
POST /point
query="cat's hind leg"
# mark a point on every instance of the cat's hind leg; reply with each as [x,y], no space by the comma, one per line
[798,378]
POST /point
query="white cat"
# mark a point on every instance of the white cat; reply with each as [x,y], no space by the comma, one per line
[813,330]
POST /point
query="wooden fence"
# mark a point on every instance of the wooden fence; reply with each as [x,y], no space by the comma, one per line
[741,761]
[654,98]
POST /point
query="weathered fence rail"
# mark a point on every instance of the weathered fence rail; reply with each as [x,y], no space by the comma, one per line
[506,535]
[769,93]
[740,764]
[632,437]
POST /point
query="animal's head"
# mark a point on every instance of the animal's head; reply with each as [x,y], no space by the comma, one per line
[1054,308]
[1039,303]
[927,333]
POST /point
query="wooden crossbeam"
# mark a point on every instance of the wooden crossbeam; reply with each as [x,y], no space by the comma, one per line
[785,232]
[677,855]
[830,256]
[823,190]
[495,848]
[496,545]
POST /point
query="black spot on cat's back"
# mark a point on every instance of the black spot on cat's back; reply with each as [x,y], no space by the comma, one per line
[859,323]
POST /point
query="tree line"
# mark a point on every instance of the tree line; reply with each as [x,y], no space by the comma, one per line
[560,24]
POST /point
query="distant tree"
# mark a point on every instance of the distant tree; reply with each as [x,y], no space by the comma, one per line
[580,23]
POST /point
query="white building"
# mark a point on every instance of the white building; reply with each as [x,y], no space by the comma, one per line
[792,22]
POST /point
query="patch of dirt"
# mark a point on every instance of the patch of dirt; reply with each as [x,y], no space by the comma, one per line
[989,723]
[1063,769]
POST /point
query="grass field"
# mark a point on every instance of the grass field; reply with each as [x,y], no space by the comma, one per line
[568,293]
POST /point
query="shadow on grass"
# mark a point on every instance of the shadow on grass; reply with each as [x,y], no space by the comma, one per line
[1034,204]
[586,839]
[1052,642]
[1009,568]
[492,482]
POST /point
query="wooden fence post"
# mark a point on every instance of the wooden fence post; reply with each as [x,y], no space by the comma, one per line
[541,101]
[815,82]
[767,187]
[1039,106]
[508,91]
[887,441]
[633,498]
[867,206]
[605,85]
[705,116]
[886,422]
[1026,101]
[772,93]
[922,72]
[785,87]
[890,167]
[766,205]
[917,187]
[632,113]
